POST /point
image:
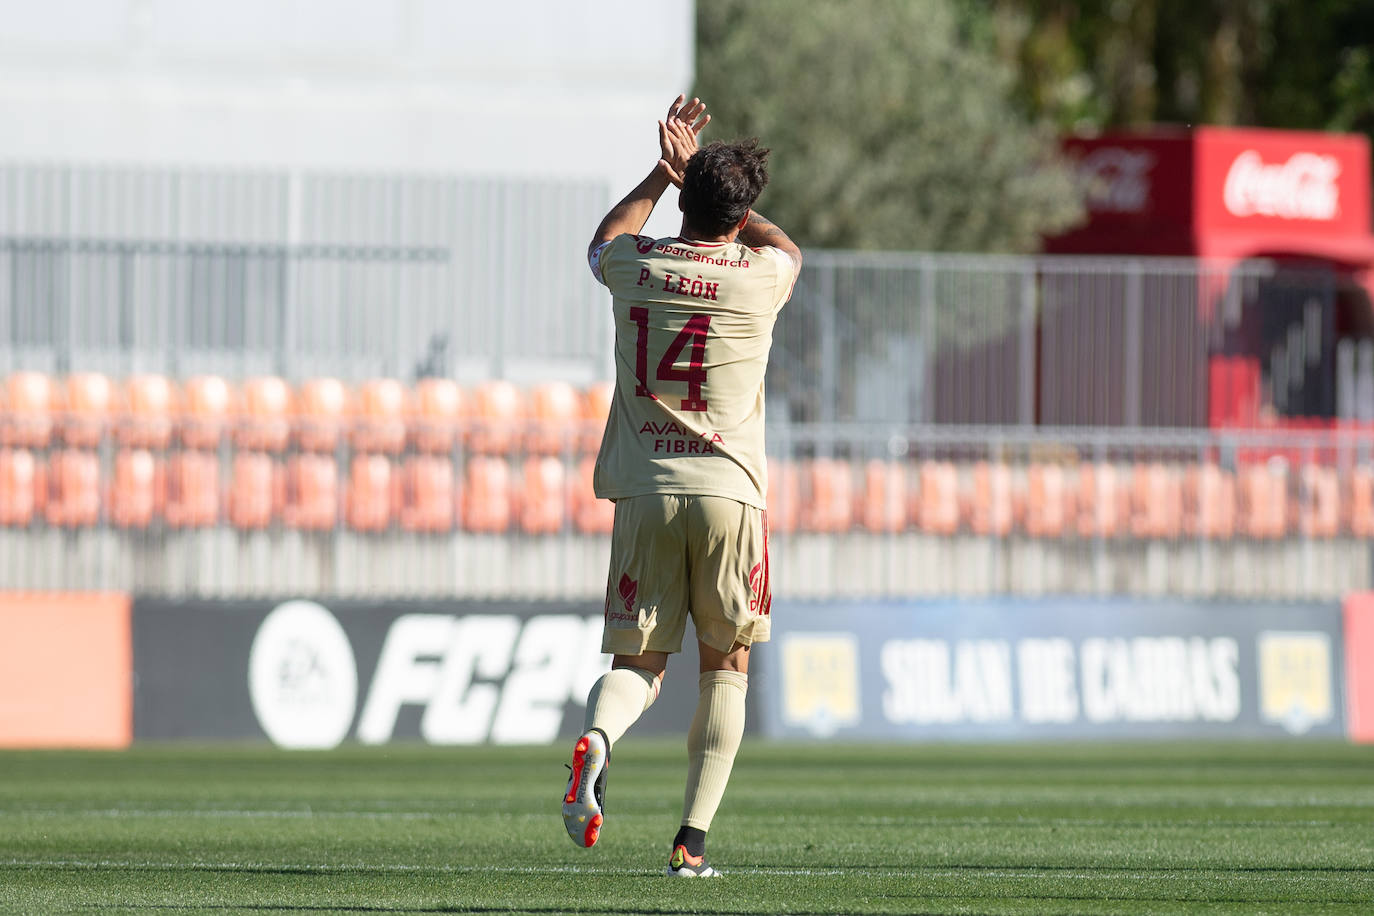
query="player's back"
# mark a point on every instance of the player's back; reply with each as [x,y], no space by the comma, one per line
[694,324]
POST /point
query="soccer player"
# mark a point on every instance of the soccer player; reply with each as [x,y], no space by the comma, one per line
[683,459]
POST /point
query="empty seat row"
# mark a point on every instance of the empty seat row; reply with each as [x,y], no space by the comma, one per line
[268,414]
[1145,500]
[249,489]
[308,491]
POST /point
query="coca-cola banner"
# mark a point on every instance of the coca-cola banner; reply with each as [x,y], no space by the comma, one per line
[1223,192]
[1251,180]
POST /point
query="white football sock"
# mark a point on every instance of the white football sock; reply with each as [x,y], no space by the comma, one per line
[618,699]
[712,742]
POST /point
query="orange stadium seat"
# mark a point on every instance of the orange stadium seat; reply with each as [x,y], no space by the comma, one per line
[253,490]
[1102,502]
[436,411]
[1047,503]
[596,407]
[27,410]
[937,497]
[1156,501]
[590,515]
[1319,505]
[429,498]
[265,416]
[1209,502]
[369,496]
[193,493]
[829,504]
[87,409]
[883,509]
[322,408]
[312,492]
[784,495]
[543,495]
[19,481]
[554,412]
[134,498]
[487,495]
[74,481]
[206,406]
[150,402]
[1360,493]
[496,418]
[379,424]
[993,509]
[1263,501]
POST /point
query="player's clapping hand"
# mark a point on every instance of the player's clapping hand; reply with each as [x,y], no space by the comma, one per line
[677,136]
[692,114]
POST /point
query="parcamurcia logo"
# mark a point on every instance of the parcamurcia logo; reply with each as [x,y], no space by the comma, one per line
[302,677]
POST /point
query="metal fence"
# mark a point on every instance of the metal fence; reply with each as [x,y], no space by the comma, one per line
[1064,341]
[301,275]
[179,272]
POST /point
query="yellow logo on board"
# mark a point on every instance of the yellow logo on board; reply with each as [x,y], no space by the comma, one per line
[1295,679]
[820,681]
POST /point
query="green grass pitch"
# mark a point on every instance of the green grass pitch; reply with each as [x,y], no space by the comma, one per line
[1074,829]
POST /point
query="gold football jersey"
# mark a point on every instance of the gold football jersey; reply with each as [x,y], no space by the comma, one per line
[693,327]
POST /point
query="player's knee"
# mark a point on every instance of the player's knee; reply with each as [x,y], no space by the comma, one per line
[712,659]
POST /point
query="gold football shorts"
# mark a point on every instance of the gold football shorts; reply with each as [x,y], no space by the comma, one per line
[674,556]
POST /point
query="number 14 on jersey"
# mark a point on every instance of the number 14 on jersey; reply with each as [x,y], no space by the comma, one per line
[693,336]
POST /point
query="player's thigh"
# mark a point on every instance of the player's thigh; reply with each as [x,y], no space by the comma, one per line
[728,541]
[647,586]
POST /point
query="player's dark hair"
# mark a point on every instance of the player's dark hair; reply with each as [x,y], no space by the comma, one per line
[721,183]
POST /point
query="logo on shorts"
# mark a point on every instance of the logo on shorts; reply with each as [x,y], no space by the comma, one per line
[756,587]
[629,590]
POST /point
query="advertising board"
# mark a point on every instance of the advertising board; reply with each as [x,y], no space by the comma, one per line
[1052,668]
[317,673]
[88,671]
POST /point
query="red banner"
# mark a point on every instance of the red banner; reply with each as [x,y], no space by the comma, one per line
[1359,666]
[1282,182]
[1224,192]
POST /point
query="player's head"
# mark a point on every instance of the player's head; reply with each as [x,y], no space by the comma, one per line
[721,183]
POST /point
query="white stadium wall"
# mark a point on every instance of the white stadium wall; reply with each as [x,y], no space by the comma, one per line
[535,89]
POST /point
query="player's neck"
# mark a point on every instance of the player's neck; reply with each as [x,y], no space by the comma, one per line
[689,234]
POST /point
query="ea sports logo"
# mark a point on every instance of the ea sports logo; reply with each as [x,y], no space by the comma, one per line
[302,677]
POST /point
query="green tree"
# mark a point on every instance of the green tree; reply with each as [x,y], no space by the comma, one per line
[1318,70]
[893,123]
[1092,64]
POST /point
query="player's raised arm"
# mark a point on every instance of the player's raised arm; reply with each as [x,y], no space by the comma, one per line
[677,140]
[759,231]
